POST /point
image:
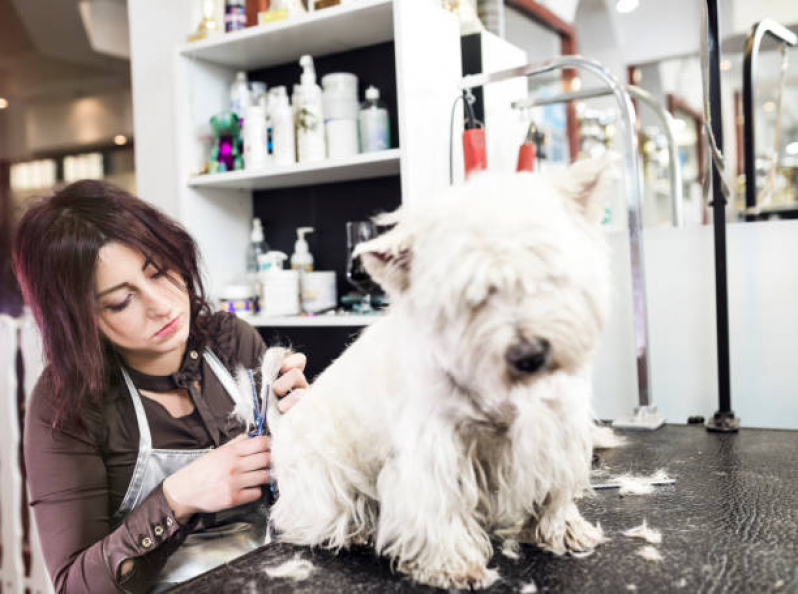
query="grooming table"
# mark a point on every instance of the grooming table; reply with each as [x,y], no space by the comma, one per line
[728,524]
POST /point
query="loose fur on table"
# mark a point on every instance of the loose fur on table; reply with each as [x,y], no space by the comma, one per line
[465,412]
[648,534]
[650,553]
[296,569]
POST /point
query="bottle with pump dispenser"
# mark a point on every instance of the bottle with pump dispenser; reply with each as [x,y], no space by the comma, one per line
[375,128]
[257,246]
[302,259]
[309,115]
[240,95]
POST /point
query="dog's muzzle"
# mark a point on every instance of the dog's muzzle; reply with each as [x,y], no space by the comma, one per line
[528,357]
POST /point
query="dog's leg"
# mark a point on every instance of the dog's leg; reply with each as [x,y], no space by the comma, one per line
[427,525]
[561,528]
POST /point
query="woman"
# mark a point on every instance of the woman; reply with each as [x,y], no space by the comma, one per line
[139,476]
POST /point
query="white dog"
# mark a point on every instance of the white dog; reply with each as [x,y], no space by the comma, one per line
[465,413]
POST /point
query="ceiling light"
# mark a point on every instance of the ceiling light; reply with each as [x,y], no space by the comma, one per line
[769,106]
[120,139]
[576,83]
[725,65]
[792,148]
[624,6]
[3,103]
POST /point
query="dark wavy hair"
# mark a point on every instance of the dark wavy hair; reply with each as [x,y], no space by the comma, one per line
[54,256]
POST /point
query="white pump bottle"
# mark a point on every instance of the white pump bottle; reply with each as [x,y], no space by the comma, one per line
[302,259]
[309,115]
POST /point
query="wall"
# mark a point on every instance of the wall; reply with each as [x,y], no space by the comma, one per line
[763,324]
[156,27]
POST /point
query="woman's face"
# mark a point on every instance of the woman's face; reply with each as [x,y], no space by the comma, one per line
[143,308]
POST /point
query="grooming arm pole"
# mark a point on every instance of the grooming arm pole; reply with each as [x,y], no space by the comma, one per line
[666,120]
[645,416]
[723,420]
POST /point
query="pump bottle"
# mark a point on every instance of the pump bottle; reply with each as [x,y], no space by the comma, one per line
[302,259]
[309,115]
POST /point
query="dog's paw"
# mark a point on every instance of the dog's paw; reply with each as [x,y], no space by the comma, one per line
[475,578]
[567,531]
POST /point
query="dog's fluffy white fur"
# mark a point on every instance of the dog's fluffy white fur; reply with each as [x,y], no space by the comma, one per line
[427,437]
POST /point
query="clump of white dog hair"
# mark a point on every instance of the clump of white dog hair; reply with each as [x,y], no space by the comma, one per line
[639,485]
[650,553]
[244,409]
[510,549]
[296,569]
[604,438]
[650,535]
[529,588]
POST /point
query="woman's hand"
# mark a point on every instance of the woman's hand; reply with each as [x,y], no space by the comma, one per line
[291,385]
[227,477]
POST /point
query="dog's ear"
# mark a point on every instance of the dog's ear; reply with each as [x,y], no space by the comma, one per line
[387,259]
[587,183]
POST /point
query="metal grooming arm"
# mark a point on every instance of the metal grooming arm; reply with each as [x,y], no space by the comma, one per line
[674,168]
[752,45]
[646,416]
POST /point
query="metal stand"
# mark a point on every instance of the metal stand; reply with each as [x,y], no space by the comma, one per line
[752,44]
[724,419]
[634,191]
[666,120]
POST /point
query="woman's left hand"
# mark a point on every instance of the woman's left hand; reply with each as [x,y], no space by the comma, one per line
[291,384]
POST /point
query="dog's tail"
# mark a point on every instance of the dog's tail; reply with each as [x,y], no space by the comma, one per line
[269,370]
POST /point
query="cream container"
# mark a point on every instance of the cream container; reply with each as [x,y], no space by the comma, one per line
[238,299]
[280,292]
[318,291]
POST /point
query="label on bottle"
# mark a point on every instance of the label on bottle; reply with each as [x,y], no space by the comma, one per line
[235,16]
[374,130]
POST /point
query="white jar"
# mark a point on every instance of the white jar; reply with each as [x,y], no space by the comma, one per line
[238,299]
[340,114]
[319,291]
[280,295]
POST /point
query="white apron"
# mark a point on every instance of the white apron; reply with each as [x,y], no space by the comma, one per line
[205,549]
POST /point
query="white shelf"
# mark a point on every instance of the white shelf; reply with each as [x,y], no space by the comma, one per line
[352,320]
[364,166]
[318,33]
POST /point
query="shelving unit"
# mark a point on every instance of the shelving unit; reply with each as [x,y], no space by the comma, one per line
[363,166]
[423,42]
[319,321]
[318,33]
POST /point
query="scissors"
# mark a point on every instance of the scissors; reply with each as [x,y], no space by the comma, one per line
[260,428]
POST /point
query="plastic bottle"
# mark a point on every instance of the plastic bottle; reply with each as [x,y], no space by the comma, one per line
[257,246]
[240,96]
[340,114]
[302,259]
[282,119]
[235,15]
[375,127]
[256,139]
[310,115]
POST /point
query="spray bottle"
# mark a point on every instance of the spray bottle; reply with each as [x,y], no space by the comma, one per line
[309,114]
[302,259]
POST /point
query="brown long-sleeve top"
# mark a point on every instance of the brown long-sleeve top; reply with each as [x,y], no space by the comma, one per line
[78,476]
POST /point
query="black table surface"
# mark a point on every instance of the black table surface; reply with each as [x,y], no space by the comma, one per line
[728,524]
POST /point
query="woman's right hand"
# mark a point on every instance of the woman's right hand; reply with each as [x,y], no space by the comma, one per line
[227,477]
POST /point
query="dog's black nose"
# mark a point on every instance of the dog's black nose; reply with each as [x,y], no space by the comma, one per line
[528,357]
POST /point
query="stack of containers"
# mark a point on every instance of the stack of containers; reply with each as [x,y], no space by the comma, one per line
[341,107]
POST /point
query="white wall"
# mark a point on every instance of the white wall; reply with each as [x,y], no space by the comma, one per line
[156,29]
[763,325]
